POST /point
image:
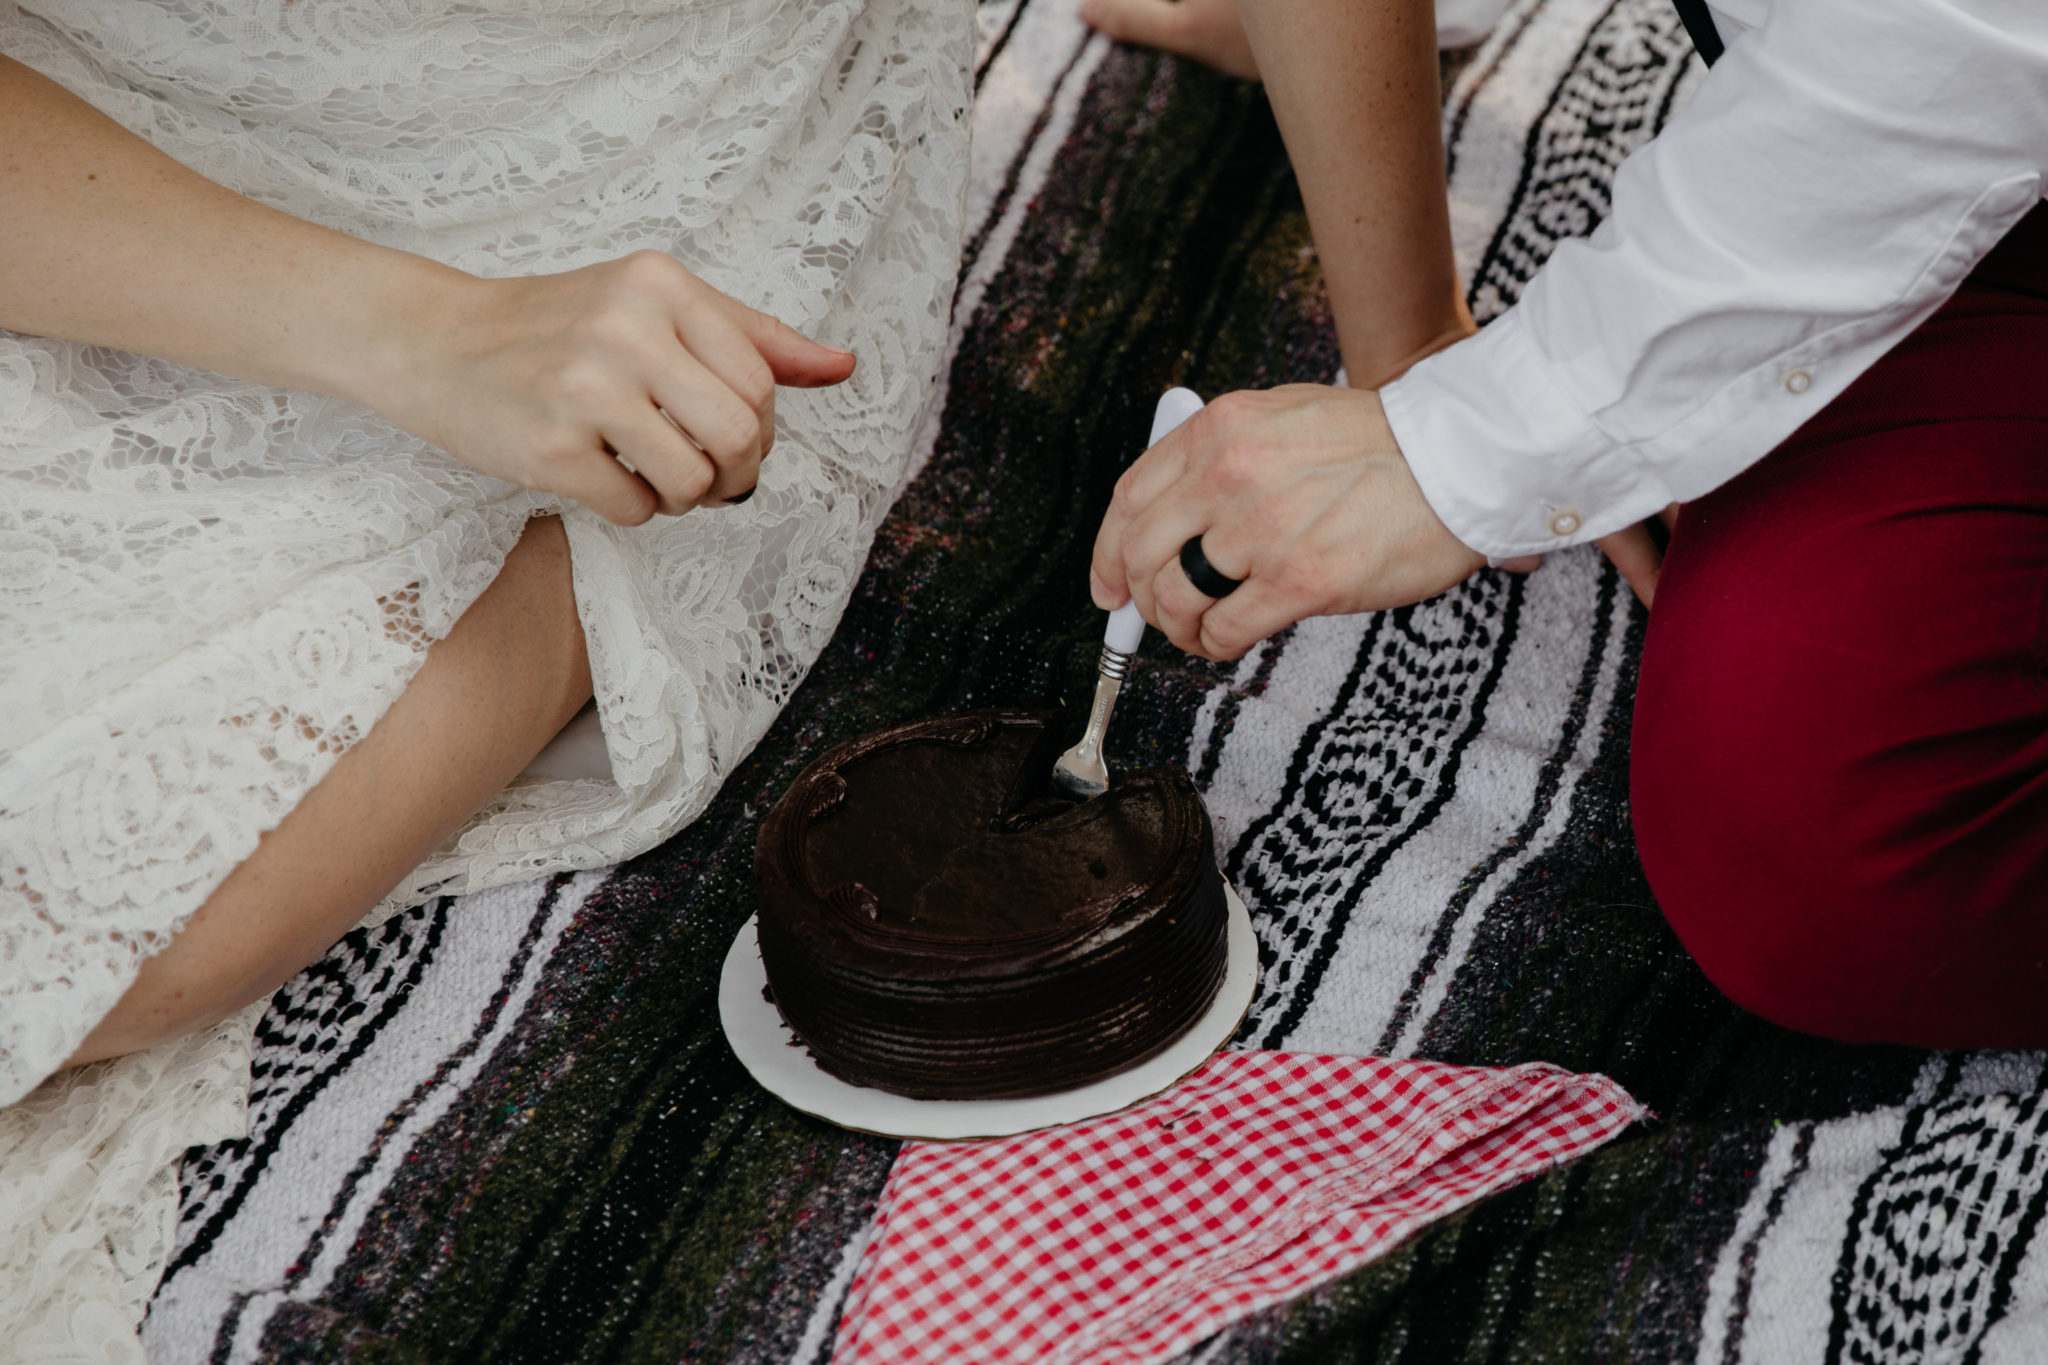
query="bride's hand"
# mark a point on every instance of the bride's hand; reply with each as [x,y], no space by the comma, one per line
[632,387]
[1207,30]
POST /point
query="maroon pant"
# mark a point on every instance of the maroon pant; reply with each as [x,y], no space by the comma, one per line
[1840,773]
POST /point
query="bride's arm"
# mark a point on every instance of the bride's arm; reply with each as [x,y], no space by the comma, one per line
[105,240]
[1355,89]
[1356,93]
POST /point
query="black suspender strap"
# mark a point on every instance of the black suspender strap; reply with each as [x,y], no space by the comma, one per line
[1699,26]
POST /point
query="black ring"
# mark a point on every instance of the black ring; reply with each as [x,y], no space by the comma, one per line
[1207,578]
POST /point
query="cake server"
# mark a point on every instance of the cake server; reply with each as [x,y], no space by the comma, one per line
[1080,772]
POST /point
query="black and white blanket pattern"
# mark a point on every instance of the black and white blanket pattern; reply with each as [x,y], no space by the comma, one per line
[1414,805]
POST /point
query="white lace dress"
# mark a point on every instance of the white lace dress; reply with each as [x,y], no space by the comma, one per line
[209,588]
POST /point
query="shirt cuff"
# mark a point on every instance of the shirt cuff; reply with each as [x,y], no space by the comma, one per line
[1505,459]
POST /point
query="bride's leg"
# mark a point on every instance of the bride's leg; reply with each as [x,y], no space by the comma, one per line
[490,695]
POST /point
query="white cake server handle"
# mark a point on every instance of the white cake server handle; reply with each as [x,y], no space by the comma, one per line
[1081,772]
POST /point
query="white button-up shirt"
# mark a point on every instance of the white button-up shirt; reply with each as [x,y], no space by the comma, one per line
[1839,172]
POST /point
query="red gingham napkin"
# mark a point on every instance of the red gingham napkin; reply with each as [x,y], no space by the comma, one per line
[1130,1237]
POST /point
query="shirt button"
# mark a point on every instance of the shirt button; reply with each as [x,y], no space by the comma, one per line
[1564,521]
[1798,381]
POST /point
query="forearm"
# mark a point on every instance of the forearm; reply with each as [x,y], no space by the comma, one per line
[1812,205]
[1355,90]
[105,240]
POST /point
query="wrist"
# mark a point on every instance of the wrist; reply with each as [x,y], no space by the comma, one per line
[1436,542]
[1373,371]
[392,336]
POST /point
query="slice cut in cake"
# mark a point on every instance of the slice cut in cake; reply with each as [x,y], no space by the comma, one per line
[935,923]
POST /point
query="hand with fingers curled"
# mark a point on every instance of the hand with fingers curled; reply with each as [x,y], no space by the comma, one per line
[632,386]
[1301,493]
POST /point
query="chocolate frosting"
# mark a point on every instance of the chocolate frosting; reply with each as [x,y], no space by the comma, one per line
[934,922]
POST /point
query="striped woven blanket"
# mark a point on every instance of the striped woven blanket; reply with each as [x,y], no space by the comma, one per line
[508,1128]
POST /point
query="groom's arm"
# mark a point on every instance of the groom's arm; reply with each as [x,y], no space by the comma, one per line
[1838,174]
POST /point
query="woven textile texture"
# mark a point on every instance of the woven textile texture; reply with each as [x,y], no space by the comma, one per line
[1119,1240]
[505,1127]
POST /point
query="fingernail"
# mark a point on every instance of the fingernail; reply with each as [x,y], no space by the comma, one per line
[1100,592]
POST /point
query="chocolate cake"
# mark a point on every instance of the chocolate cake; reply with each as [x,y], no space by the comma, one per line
[934,922]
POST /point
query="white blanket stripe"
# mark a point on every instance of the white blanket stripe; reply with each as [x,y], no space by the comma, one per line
[312,1167]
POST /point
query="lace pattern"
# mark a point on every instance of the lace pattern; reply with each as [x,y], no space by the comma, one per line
[89,1186]
[209,589]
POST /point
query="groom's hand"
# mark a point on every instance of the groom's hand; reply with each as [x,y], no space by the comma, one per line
[1302,492]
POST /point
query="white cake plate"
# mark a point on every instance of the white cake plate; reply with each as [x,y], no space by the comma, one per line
[769,1051]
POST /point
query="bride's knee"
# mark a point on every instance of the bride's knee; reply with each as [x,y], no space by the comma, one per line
[509,675]
[545,547]
[539,565]
[525,632]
